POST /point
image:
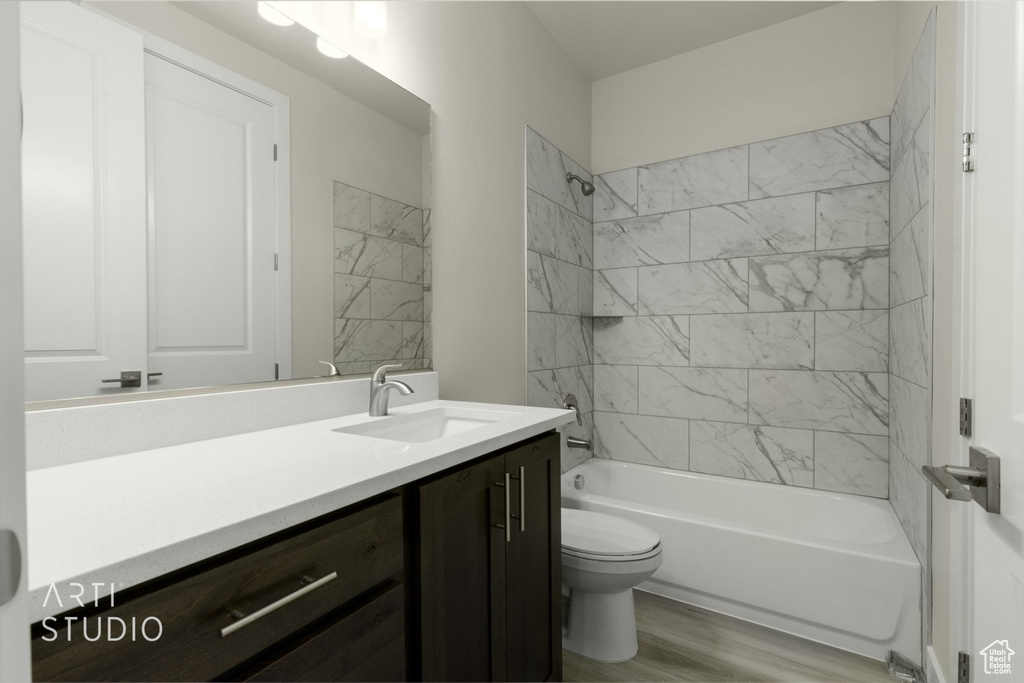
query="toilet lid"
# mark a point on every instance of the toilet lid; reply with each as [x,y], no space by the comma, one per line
[596,533]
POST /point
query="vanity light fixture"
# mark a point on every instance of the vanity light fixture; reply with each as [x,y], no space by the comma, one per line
[272,15]
[329,49]
[371,19]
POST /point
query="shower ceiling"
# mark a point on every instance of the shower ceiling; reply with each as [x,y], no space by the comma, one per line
[607,38]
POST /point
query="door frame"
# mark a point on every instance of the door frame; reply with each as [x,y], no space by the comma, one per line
[281,104]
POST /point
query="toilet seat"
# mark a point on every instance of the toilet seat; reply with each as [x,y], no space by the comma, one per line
[605,538]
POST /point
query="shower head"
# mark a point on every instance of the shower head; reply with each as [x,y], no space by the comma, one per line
[588,188]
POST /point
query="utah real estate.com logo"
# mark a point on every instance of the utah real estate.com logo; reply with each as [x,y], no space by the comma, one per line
[997,657]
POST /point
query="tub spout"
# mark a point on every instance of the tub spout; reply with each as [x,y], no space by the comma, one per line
[573,442]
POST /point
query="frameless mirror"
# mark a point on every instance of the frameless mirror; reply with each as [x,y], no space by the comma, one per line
[214,194]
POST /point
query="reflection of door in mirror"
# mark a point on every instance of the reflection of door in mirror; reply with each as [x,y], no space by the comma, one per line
[116,141]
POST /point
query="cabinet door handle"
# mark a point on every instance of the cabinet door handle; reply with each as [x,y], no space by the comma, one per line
[507,526]
[245,620]
[522,498]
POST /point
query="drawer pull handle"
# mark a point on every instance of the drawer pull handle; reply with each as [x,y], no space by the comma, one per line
[276,605]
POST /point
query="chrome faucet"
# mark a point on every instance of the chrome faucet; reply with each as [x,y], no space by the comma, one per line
[380,390]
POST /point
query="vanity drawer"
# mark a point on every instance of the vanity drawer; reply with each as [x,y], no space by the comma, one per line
[364,549]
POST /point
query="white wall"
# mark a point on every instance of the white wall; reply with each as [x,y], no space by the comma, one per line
[486,68]
[332,138]
[15,662]
[822,69]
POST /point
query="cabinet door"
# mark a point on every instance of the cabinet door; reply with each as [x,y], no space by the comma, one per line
[534,563]
[462,575]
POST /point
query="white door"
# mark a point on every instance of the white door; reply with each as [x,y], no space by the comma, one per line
[212,224]
[993,304]
[83,174]
[15,662]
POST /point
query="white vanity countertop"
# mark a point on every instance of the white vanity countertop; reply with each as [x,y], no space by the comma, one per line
[125,519]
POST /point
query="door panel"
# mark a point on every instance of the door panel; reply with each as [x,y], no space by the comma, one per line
[533,578]
[212,282]
[462,575]
[83,170]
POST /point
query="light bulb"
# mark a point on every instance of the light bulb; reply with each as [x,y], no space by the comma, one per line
[272,15]
[371,19]
[329,49]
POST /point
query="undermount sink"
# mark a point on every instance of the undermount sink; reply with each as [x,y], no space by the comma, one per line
[427,425]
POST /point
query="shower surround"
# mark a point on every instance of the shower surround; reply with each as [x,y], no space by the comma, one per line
[741,303]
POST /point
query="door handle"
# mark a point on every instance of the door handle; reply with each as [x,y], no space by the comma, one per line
[151,375]
[10,565]
[128,379]
[979,482]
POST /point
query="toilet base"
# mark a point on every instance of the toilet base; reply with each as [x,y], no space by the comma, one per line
[601,626]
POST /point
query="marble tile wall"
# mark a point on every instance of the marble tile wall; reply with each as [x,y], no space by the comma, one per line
[910,288]
[560,281]
[741,301]
[382,279]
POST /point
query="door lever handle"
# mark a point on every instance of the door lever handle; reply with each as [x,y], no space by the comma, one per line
[979,482]
[128,379]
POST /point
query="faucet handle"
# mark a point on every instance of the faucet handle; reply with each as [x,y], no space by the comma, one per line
[333,372]
[379,375]
[569,403]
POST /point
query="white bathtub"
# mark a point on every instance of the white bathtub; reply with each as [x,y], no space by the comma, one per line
[830,567]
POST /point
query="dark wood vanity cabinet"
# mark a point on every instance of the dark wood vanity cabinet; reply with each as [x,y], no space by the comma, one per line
[456,577]
[490,568]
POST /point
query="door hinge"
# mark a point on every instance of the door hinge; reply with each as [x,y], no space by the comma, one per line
[277,371]
[276,262]
[968,159]
[966,416]
[963,668]
[275,151]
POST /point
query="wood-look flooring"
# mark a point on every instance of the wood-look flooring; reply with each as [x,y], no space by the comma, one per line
[679,642]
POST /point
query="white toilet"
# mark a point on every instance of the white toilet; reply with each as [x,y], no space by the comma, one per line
[603,558]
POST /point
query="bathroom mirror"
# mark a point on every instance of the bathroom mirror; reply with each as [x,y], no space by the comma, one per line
[214,194]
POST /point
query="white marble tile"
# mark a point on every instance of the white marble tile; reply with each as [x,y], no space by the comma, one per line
[645,241]
[615,292]
[541,221]
[764,226]
[916,92]
[584,205]
[546,169]
[412,340]
[856,341]
[753,340]
[615,388]
[910,187]
[358,254]
[586,291]
[428,304]
[657,441]
[853,154]
[654,340]
[412,263]
[571,347]
[548,388]
[853,402]
[910,273]
[585,388]
[367,340]
[428,266]
[573,237]
[855,216]
[428,346]
[909,419]
[615,195]
[701,287]
[540,341]
[574,456]
[428,239]
[772,454]
[395,221]
[351,296]
[851,463]
[908,493]
[396,301]
[695,393]
[552,285]
[700,180]
[351,208]
[910,341]
[827,280]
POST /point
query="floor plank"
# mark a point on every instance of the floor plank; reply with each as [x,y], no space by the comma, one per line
[679,642]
